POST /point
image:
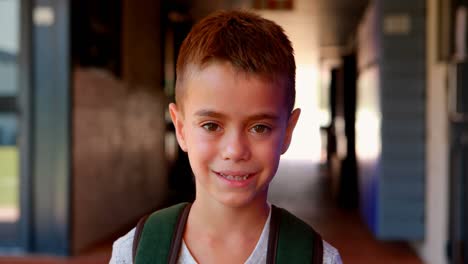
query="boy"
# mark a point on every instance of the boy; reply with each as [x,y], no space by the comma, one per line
[234,116]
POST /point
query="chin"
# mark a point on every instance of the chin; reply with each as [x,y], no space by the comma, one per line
[238,200]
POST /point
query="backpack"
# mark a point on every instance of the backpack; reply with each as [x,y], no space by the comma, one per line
[158,237]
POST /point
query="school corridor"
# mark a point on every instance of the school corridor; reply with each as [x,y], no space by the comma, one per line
[379,159]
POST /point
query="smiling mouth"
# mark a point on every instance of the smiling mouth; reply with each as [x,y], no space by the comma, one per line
[234,177]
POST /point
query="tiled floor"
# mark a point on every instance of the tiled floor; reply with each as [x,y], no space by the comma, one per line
[98,255]
[300,188]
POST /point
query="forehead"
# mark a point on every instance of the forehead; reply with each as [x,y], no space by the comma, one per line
[223,86]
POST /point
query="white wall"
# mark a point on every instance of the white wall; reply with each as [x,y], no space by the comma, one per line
[432,249]
[300,26]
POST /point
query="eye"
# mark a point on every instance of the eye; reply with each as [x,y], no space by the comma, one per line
[211,127]
[260,129]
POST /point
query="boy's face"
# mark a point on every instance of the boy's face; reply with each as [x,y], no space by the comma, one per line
[234,127]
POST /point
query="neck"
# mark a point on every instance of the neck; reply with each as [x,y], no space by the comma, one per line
[218,219]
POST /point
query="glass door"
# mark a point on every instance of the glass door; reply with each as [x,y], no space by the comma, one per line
[10,182]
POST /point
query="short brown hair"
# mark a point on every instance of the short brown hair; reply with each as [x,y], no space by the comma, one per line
[246,40]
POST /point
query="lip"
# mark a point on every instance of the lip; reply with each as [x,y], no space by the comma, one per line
[236,183]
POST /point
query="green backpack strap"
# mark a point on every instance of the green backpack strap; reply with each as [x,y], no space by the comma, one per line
[291,240]
[158,237]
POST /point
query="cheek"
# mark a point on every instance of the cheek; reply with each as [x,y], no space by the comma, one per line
[271,150]
[200,156]
[200,146]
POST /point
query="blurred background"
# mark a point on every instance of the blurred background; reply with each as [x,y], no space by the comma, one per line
[378,163]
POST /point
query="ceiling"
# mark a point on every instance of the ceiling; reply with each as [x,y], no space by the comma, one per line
[336,19]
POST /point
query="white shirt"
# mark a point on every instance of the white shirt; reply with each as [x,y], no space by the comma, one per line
[122,250]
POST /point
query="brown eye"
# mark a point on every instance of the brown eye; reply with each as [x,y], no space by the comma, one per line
[260,129]
[212,127]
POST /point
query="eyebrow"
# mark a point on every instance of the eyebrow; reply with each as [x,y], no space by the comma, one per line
[263,116]
[214,114]
[209,113]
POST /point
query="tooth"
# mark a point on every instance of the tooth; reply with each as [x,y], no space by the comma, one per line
[234,178]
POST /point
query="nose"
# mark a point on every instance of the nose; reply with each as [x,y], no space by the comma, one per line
[236,147]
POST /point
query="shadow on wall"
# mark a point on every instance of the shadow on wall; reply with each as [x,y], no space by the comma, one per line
[119,165]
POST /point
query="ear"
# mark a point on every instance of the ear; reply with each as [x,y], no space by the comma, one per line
[290,128]
[177,120]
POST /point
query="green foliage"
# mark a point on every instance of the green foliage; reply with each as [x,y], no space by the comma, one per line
[9,176]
